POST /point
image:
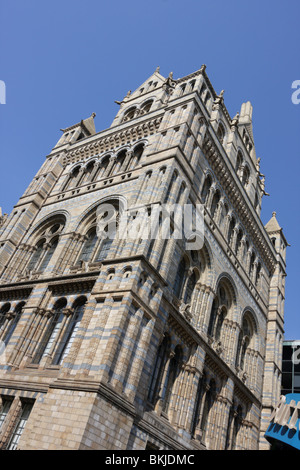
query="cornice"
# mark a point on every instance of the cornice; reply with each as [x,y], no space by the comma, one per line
[113,138]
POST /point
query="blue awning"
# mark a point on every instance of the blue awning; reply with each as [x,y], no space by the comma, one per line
[284,425]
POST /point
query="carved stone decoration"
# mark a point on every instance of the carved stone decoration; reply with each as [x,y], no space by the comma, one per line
[184,309]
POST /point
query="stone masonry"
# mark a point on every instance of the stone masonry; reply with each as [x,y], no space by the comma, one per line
[132,342]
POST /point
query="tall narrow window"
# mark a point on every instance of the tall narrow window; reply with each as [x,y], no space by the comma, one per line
[179,278]
[221,133]
[13,323]
[239,161]
[49,251]
[160,362]
[246,176]
[213,315]
[3,311]
[20,426]
[172,373]
[214,204]
[52,332]
[206,189]
[209,401]
[4,409]
[231,231]
[36,255]
[70,333]
[105,245]
[190,288]
[72,180]
[88,247]
[236,426]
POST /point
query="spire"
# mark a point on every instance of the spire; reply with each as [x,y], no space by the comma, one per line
[273,225]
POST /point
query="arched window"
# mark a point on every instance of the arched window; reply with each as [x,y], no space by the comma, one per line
[245,338]
[231,231]
[220,320]
[49,251]
[251,267]
[221,133]
[13,323]
[220,308]
[238,242]
[70,332]
[212,318]
[180,193]
[206,189]
[214,204]
[190,288]
[36,255]
[208,403]
[46,244]
[88,173]
[236,426]
[179,278]
[53,328]
[172,373]
[88,247]
[159,367]
[145,108]
[118,165]
[239,161]
[258,273]
[105,246]
[73,178]
[135,157]
[171,186]
[3,317]
[102,167]
[246,176]
[129,114]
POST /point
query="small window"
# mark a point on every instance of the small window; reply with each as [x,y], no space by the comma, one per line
[221,133]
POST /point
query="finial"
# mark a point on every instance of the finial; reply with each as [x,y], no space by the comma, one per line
[274,214]
[171,75]
[93,115]
[157,69]
[203,67]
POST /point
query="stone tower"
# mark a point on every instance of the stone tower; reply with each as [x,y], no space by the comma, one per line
[139,341]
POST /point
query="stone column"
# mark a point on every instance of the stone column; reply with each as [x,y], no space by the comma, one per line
[42,319]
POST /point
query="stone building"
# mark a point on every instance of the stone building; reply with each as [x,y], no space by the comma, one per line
[140,342]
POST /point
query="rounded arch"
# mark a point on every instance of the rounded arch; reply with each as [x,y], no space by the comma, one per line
[246,175]
[59,303]
[146,105]
[249,313]
[129,113]
[202,260]
[239,159]
[137,144]
[49,220]
[105,156]
[228,281]
[5,308]
[88,217]
[221,131]
[75,166]
[207,183]
[79,301]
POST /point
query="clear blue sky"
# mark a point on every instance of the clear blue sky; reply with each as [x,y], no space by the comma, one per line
[63,60]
